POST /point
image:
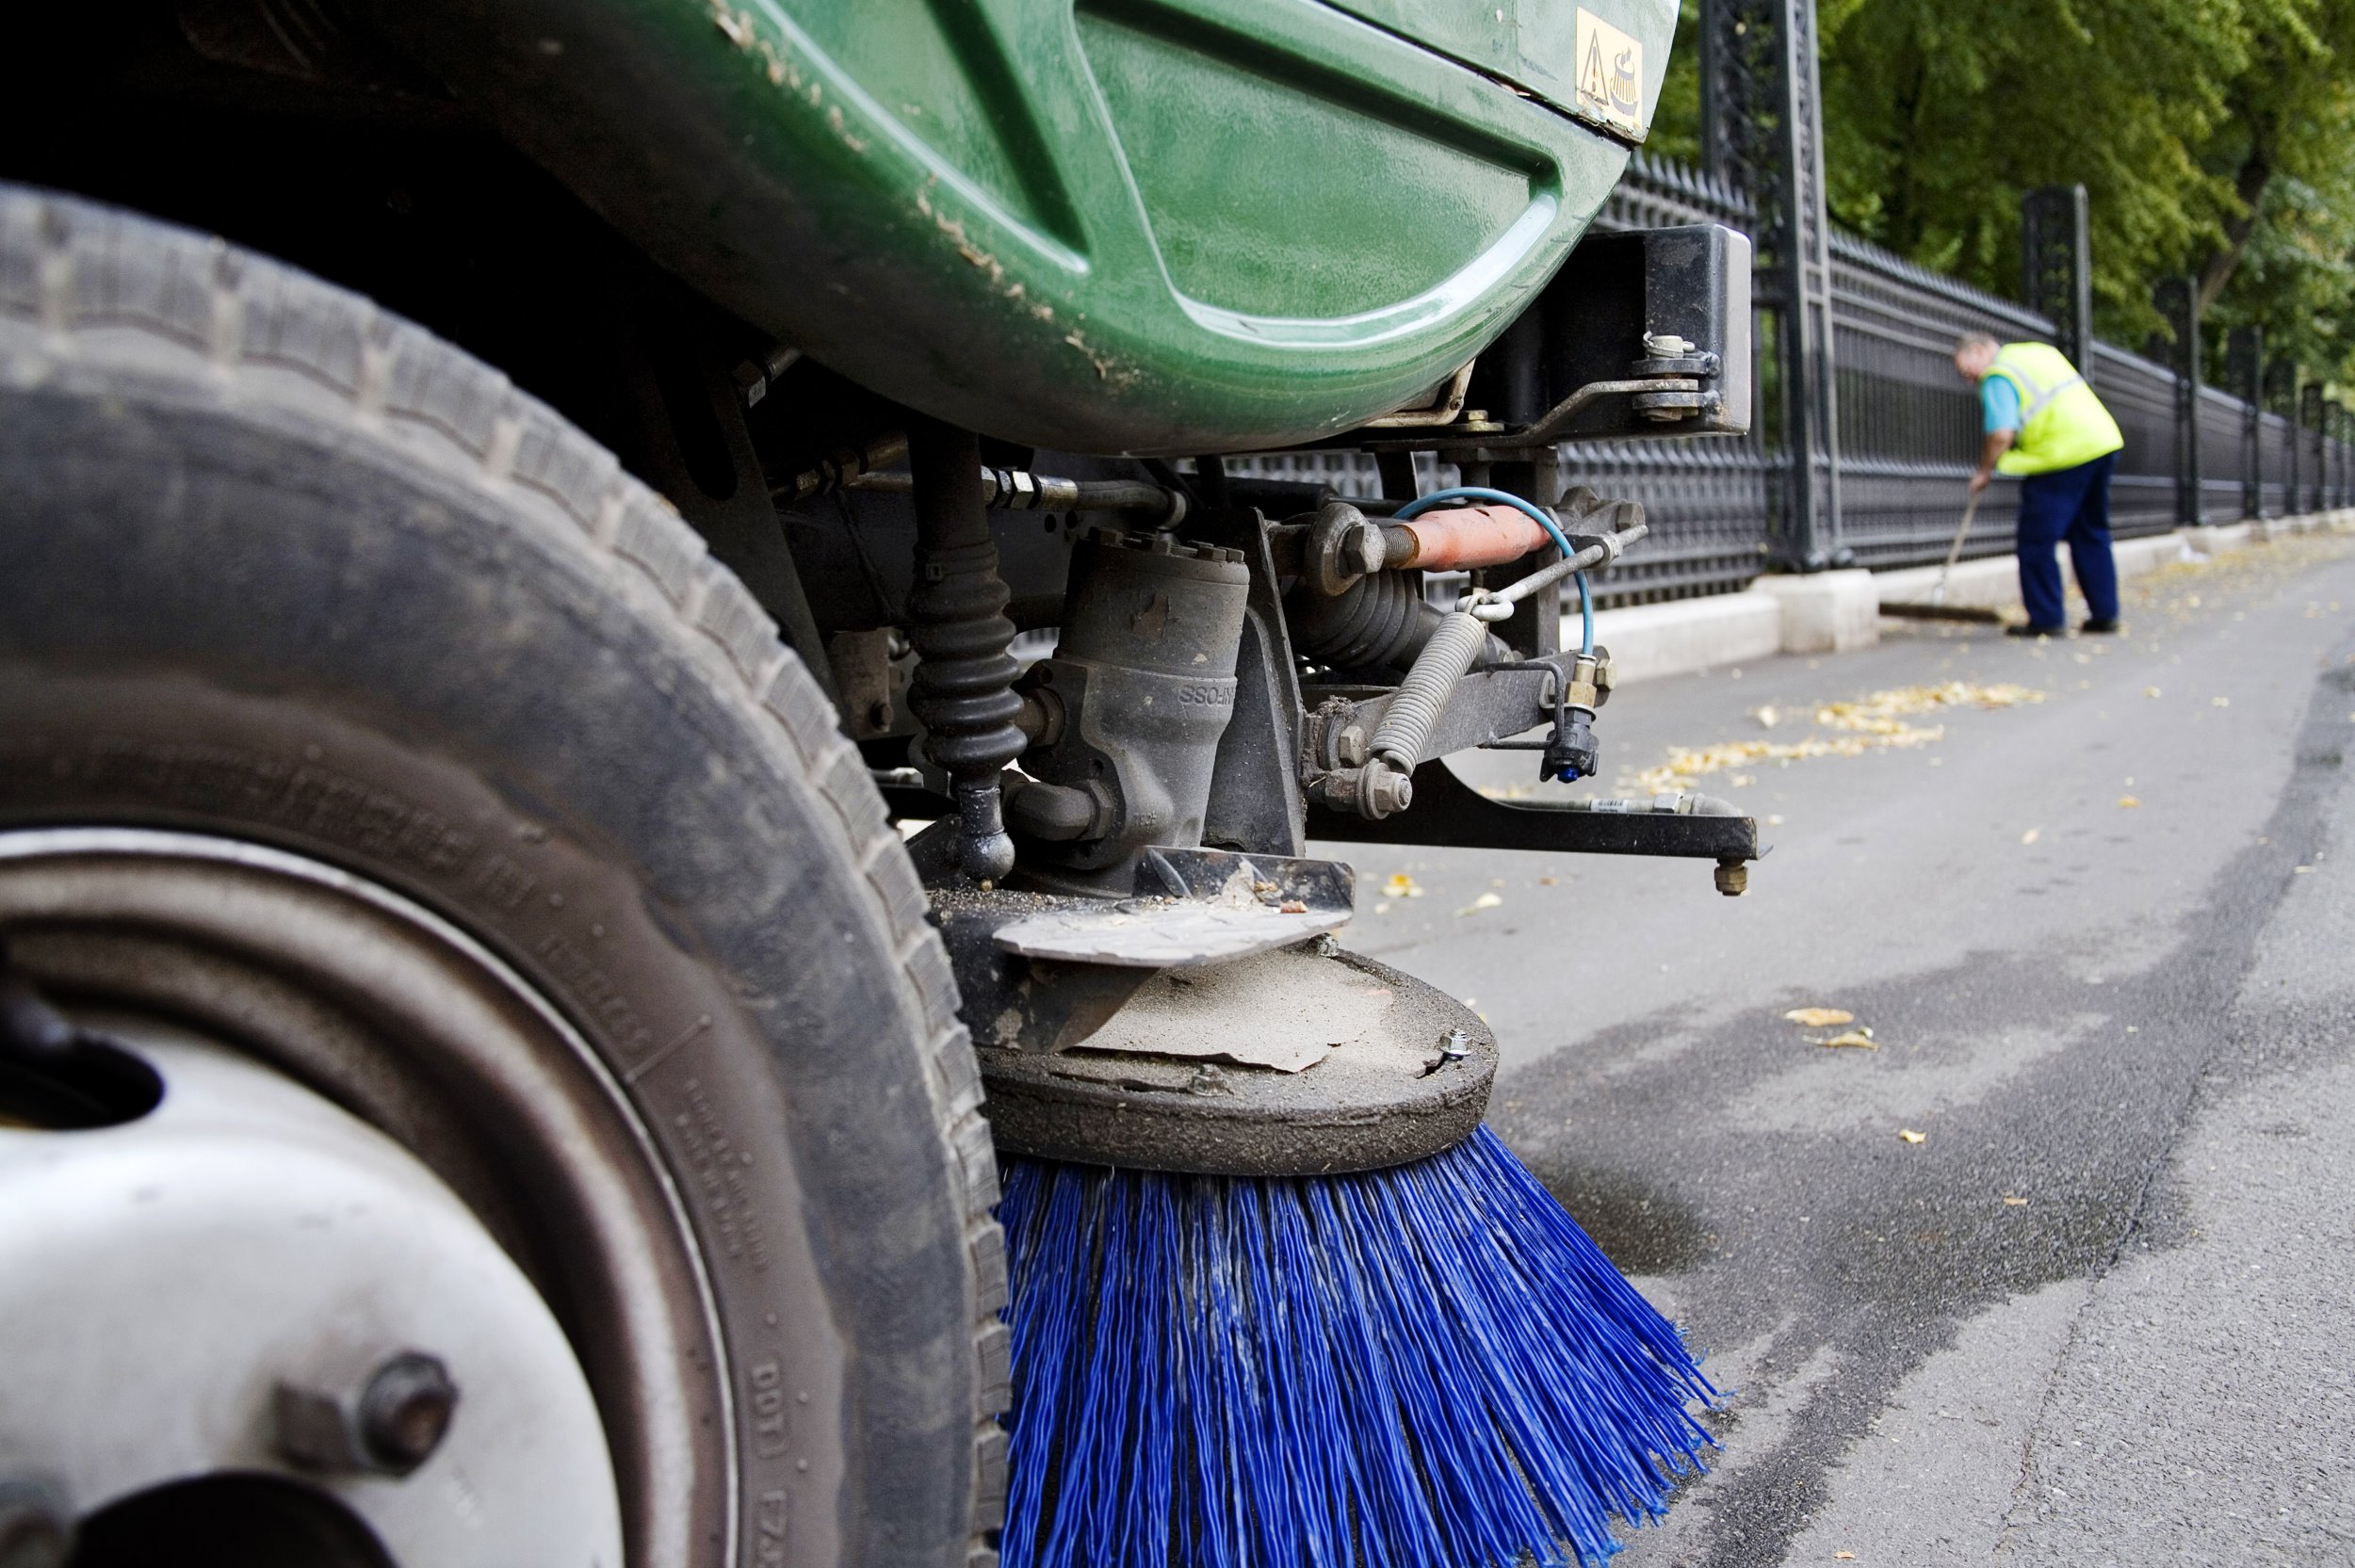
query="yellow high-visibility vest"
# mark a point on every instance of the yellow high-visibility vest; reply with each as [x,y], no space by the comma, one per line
[2062,424]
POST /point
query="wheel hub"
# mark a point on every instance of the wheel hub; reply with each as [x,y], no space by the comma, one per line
[220,960]
[245,1279]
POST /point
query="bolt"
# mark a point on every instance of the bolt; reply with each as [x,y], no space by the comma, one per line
[1350,745]
[1733,878]
[392,1425]
[1386,793]
[405,1411]
[36,1527]
[1454,1046]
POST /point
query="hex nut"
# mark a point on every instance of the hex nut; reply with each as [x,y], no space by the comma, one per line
[1386,793]
[405,1412]
[390,1425]
[1733,878]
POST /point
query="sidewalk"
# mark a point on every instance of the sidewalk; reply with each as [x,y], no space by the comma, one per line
[1840,612]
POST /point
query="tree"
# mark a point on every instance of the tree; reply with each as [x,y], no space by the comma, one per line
[2212,136]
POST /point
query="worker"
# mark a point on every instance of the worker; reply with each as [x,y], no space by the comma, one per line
[2043,423]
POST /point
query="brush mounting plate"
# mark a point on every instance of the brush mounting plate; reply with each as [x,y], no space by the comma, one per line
[1291,1063]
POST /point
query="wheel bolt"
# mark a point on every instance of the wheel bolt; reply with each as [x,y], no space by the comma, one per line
[35,1528]
[405,1411]
[391,1425]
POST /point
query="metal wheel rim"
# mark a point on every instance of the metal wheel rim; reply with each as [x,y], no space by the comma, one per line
[405,1019]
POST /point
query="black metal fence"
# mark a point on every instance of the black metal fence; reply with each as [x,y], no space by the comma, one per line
[1908,431]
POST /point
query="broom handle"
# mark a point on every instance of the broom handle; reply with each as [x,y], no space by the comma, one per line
[1970,511]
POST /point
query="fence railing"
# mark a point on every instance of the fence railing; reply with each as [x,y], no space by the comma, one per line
[1908,430]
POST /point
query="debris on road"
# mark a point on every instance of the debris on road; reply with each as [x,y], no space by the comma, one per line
[1855,1039]
[2031,836]
[1907,1135]
[1877,722]
[1819,1018]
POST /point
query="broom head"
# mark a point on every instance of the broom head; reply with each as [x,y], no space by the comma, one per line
[1425,1367]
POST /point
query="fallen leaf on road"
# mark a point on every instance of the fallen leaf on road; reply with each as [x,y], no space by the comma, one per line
[1381,908]
[1777,821]
[2010,1202]
[1401,886]
[2301,870]
[1858,1040]
[1871,723]
[2220,702]
[1743,781]
[2150,691]
[1487,900]
[1844,1557]
[2031,836]
[1766,716]
[1819,1018]
[2127,802]
[1907,1135]
[1548,882]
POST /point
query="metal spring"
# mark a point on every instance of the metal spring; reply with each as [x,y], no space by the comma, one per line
[1407,721]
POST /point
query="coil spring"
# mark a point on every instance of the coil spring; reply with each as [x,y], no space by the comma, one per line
[1415,709]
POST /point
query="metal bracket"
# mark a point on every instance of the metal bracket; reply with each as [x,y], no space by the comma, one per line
[1451,814]
[1043,971]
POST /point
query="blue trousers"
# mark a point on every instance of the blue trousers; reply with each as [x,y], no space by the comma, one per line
[2071,504]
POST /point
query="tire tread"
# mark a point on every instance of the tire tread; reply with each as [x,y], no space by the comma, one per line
[75,266]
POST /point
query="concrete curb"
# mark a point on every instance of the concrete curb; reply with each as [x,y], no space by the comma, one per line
[1836,611]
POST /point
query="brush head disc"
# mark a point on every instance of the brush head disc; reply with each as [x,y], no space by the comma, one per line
[1292,1063]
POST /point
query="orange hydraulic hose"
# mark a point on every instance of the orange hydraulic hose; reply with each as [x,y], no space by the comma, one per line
[1461,538]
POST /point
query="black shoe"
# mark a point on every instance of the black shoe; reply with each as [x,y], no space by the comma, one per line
[2033,630]
[2099,626]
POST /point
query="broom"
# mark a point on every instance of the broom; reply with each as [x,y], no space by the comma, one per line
[1426,1366]
[1938,608]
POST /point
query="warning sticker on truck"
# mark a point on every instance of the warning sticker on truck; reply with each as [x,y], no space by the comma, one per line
[1610,76]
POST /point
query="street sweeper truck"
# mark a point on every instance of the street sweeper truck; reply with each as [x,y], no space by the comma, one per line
[673,827]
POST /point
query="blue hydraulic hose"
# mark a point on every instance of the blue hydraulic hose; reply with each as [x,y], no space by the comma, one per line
[1544,519]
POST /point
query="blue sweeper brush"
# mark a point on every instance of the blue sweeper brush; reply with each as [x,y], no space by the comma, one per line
[1313,1318]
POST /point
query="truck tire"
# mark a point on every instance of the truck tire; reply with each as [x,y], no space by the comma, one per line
[280,570]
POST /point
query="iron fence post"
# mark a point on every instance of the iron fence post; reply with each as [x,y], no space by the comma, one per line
[1763,128]
[2057,268]
[2310,421]
[2244,363]
[2344,436]
[2178,303]
[2282,399]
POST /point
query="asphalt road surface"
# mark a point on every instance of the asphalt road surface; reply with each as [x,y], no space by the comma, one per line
[2103,1310]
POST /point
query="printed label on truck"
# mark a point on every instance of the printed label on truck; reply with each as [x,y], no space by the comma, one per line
[1610,76]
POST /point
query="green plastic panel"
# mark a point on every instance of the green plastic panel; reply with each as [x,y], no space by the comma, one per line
[1532,43]
[1146,226]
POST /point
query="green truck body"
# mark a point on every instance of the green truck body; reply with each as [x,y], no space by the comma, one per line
[1127,226]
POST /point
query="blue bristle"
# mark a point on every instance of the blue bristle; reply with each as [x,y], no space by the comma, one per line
[1430,1367]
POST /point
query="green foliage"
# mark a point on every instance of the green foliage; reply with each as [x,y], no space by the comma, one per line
[2214,137]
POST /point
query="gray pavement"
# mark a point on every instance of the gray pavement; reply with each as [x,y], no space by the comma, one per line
[2103,1311]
